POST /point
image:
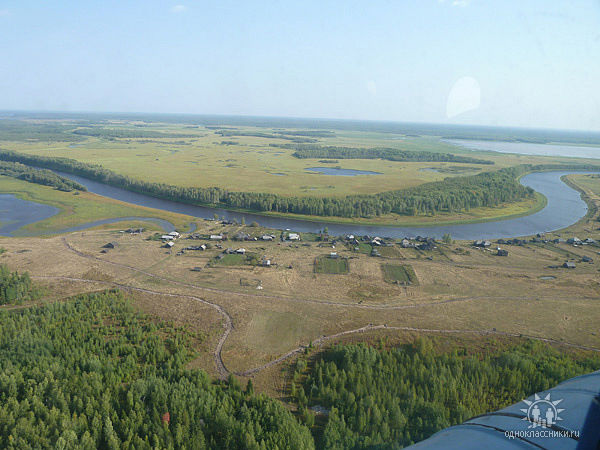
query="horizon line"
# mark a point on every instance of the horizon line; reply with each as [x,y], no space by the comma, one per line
[255,116]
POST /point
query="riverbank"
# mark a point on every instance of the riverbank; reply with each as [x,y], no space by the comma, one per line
[564,207]
[486,214]
[72,210]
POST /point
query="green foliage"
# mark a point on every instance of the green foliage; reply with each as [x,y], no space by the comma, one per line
[15,288]
[92,373]
[392,398]
[446,238]
[391,154]
[39,176]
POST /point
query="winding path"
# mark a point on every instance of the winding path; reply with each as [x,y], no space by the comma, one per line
[322,339]
[228,325]
[224,372]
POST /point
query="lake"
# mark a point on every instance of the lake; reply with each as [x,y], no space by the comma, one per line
[522,148]
[336,171]
[16,213]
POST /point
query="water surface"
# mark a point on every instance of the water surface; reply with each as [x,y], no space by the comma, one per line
[336,171]
[522,148]
[16,213]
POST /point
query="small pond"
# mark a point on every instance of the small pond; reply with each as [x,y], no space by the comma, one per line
[340,172]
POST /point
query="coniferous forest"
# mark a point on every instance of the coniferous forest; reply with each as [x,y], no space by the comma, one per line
[304,151]
[92,373]
[16,288]
[39,176]
[393,398]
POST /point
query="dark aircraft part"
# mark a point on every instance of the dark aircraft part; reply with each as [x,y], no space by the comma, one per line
[562,418]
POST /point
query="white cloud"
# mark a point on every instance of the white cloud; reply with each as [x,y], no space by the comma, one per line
[464,96]
[178,8]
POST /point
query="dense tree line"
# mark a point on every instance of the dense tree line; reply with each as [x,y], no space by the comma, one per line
[309,133]
[127,133]
[92,373]
[391,154]
[451,195]
[38,176]
[15,288]
[20,130]
[393,398]
[297,136]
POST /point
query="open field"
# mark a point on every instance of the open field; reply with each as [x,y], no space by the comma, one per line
[589,182]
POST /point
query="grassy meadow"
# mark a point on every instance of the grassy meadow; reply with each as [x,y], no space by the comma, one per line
[244,158]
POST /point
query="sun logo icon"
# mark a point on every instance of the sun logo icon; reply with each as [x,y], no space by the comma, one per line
[542,412]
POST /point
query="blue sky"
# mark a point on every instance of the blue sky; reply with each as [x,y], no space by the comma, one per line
[525,63]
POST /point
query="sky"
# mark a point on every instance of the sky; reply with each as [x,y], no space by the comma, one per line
[528,63]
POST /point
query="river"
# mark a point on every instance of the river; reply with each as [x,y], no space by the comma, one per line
[564,208]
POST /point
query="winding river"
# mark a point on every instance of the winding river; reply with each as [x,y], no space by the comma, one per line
[564,208]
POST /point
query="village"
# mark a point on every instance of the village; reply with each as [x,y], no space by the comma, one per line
[239,248]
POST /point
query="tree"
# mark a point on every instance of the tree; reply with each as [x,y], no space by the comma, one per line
[249,388]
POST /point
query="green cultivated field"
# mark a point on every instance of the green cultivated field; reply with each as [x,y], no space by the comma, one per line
[402,274]
[249,259]
[326,264]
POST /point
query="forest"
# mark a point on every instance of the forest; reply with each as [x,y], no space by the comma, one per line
[391,154]
[380,398]
[451,195]
[20,130]
[39,176]
[16,288]
[93,373]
